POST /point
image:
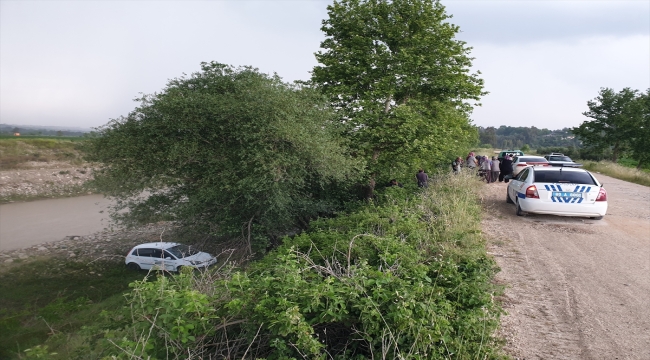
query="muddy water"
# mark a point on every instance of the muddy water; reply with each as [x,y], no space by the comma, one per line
[31,223]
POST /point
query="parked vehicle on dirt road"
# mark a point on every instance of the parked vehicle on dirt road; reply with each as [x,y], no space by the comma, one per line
[559,159]
[167,256]
[557,191]
[511,153]
[520,162]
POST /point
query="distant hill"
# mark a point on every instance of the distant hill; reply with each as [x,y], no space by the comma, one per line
[43,130]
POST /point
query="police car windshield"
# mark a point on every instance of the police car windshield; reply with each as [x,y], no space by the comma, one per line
[570,177]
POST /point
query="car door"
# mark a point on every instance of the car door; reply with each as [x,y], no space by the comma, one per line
[170,261]
[145,259]
[518,184]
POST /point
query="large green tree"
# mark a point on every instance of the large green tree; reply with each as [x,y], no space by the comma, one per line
[640,135]
[616,117]
[400,81]
[228,149]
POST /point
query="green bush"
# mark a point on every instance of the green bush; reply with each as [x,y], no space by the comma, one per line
[404,277]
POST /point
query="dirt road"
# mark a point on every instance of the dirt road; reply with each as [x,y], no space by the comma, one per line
[576,288]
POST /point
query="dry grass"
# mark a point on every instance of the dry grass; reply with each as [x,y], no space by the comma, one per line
[17,154]
[618,171]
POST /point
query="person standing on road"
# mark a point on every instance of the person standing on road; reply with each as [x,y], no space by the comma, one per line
[496,165]
[486,168]
[506,168]
[471,161]
[422,178]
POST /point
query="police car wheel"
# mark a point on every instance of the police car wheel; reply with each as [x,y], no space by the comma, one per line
[519,212]
[133,266]
[508,199]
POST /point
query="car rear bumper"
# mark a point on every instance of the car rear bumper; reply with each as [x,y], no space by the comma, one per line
[537,206]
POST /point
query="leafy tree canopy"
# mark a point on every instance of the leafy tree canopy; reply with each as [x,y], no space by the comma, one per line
[640,137]
[400,80]
[226,148]
[616,120]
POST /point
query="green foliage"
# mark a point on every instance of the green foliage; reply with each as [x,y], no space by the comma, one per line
[525,148]
[399,80]
[404,277]
[617,124]
[230,150]
[47,302]
[640,136]
[515,137]
[169,312]
[39,352]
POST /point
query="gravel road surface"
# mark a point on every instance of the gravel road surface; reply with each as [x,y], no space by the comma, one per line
[575,288]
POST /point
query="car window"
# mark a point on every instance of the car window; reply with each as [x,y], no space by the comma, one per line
[168,255]
[157,253]
[571,177]
[181,251]
[523,175]
[561,158]
[145,252]
[531,159]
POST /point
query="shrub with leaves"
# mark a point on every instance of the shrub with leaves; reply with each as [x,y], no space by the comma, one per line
[405,277]
[228,150]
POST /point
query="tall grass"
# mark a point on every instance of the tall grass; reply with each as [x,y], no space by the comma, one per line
[618,171]
[16,153]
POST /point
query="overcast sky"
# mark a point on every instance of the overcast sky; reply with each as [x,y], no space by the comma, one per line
[81,63]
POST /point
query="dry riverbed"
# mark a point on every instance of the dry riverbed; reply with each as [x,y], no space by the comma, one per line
[38,180]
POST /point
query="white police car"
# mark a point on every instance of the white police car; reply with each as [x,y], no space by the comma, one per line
[168,256]
[557,191]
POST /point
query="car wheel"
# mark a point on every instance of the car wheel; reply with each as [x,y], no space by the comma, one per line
[508,199]
[519,212]
[133,266]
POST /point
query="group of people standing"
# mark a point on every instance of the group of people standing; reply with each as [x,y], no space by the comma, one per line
[489,169]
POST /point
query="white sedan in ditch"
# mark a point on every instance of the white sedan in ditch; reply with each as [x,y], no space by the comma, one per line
[557,191]
[168,256]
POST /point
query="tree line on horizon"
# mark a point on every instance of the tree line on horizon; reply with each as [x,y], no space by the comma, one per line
[516,137]
[620,128]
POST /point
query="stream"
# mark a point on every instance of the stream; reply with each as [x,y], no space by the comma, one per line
[31,223]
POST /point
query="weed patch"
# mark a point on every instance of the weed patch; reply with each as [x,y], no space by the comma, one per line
[52,299]
[618,171]
[15,153]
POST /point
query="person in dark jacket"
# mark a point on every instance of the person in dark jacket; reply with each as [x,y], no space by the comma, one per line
[394,182]
[506,168]
[422,178]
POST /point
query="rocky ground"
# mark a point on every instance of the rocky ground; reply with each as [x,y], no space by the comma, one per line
[43,180]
